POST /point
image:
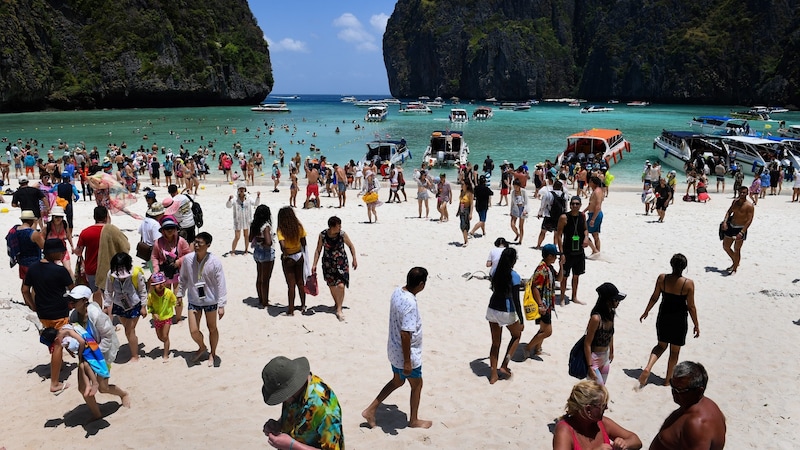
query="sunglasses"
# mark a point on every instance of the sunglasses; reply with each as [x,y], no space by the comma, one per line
[574,204]
[682,391]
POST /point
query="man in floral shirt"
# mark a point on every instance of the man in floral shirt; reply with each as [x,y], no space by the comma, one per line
[544,289]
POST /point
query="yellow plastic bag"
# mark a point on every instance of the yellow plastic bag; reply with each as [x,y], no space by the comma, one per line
[370,197]
[529,302]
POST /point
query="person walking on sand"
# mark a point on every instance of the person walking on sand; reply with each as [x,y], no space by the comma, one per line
[312,187]
[504,310]
[335,269]
[424,185]
[677,302]
[125,296]
[202,282]
[263,251]
[519,211]
[341,184]
[465,202]
[404,348]
[572,237]
[598,347]
[161,304]
[735,225]
[594,212]
[89,315]
[483,200]
[663,198]
[242,206]
[544,292]
[698,422]
[292,239]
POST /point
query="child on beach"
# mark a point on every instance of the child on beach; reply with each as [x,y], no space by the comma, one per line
[648,198]
[78,341]
[702,191]
[161,304]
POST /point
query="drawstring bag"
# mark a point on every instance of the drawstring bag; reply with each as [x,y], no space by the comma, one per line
[529,302]
[311,286]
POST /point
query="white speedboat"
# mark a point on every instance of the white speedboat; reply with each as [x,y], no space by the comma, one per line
[349,99]
[438,102]
[750,151]
[482,113]
[396,152]
[595,108]
[514,106]
[447,148]
[684,145]
[638,103]
[792,131]
[390,101]
[414,108]
[369,103]
[722,125]
[376,113]
[587,145]
[272,107]
[459,115]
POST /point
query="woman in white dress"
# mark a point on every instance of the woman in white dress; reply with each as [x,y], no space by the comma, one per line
[519,210]
[242,206]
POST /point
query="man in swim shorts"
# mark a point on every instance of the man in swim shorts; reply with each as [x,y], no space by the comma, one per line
[594,213]
[341,183]
[313,186]
[737,221]
[698,422]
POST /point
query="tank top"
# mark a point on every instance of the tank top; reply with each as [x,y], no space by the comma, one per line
[575,226]
[673,303]
[602,337]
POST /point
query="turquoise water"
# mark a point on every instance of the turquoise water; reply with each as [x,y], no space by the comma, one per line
[534,135]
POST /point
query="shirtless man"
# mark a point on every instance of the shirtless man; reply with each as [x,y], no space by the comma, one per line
[341,184]
[594,212]
[735,225]
[698,423]
[313,185]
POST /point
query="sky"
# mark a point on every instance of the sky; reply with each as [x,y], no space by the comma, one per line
[325,46]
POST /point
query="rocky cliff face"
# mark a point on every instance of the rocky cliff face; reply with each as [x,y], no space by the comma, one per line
[69,54]
[692,51]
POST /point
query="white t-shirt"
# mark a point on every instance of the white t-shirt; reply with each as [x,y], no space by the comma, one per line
[494,257]
[404,316]
[184,214]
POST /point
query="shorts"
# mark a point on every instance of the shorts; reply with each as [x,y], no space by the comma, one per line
[23,270]
[54,323]
[312,189]
[92,285]
[546,319]
[187,233]
[482,215]
[581,184]
[464,223]
[661,204]
[502,318]
[575,264]
[422,195]
[129,314]
[734,231]
[159,324]
[504,191]
[207,308]
[415,373]
[719,178]
[342,186]
[263,254]
[549,223]
[167,173]
[597,223]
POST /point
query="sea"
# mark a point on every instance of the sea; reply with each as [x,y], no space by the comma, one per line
[323,125]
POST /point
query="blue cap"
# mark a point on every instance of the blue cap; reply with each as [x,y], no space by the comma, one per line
[550,249]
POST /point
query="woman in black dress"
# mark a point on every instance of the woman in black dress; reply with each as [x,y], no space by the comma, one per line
[335,268]
[677,301]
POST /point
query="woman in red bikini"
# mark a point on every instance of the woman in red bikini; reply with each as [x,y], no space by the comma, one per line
[584,427]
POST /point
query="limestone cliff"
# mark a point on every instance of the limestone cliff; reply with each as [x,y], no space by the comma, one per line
[69,54]
[696,51]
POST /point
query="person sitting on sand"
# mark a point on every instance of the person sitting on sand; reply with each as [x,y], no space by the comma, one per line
[585,426]
[504,310]
[310,413]
[698,422]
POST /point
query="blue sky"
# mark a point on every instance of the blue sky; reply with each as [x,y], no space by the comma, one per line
[324,46]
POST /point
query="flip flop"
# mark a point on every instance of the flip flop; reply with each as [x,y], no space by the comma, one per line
[64,387]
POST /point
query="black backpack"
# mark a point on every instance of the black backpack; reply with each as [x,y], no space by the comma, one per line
[197,212]
[559,205]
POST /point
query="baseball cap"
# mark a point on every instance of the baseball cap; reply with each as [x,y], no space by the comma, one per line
[550,249]
[79,292]
[22,180]
[608,290]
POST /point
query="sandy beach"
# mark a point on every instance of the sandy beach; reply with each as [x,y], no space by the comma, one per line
[748,321]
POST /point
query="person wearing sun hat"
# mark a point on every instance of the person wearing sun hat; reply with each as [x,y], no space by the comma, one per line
[43,290]
[310,416]
[167,256]
[57,228]
[25,248]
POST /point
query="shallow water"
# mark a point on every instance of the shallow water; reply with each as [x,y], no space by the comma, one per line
[534,135]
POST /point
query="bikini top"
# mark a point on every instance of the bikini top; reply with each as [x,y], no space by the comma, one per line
[602,337]
[577,446]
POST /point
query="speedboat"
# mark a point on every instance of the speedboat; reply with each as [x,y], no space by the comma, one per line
[271,107]
[722,125]
[686,144]
[447,148]
[438,102]
[349,99]
[482,113]
[608,144]
[638,103]
[390,101]
[749,150]
[396,152]
[759,121]
[514,106]
[792,131]
[376,113]
[415,108]
[595,108]
[459,115]
[369,103]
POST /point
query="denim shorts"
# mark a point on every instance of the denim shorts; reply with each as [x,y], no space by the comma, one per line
[263,254]
[132,313]
[207,308]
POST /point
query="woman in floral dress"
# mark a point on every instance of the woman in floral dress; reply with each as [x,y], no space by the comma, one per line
[335,268]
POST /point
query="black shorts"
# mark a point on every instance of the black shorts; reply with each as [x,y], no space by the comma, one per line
[549,223]
[187,233]
[661,204]
[546,319]
[574,263]
[734,231]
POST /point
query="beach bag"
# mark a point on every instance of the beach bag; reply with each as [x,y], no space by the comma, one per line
[143,251]
[529,302]
[197,213]
[577,360]
[311,286]
[370,197]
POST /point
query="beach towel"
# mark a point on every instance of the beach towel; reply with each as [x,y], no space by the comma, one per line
[91,352]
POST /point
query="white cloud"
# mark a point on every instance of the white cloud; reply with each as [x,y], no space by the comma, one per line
[378,22]
[287,45]
[353,32]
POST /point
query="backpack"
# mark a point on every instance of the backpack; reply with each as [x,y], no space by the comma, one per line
[558,206]
[197,212]
[12,246]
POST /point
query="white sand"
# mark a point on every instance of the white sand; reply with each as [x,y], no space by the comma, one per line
[746,342]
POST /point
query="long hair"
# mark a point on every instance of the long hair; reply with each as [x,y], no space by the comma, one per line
[288,224]
[261,216]
[604,307]
[502,275]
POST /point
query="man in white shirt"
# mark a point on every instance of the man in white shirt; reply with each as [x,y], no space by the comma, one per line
[549,222]
[404,347]
[181,208]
